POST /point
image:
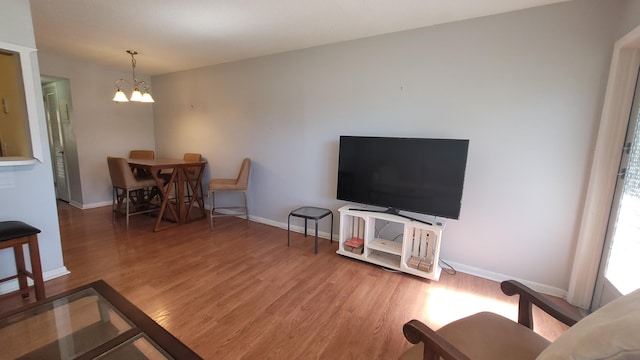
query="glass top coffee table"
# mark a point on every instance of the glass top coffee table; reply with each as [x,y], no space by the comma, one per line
[91,322]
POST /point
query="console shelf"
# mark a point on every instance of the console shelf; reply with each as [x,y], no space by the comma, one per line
[417,253]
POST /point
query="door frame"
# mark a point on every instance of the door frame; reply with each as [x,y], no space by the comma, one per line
[600,189]
[604,290]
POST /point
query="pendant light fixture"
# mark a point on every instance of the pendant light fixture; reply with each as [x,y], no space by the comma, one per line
[140,92]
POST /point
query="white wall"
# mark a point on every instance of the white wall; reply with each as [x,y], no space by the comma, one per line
[630,17]
[26,192]
[525,87]
[102,127]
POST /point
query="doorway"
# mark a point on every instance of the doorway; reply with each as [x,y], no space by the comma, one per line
[617,274]
[56,97]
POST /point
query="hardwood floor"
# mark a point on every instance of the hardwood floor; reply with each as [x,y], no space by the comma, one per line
[239,292]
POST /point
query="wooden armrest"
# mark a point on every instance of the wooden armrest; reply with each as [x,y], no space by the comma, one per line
[435,346]
[528,297]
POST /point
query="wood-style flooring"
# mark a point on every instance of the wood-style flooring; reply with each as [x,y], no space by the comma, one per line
[238,291]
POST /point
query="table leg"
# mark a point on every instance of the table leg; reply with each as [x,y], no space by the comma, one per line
[289,230]
[316,251]
[331,234]
[18,254]
[36,267]
[305,227]
[196,189]
[164,192]
[180,195]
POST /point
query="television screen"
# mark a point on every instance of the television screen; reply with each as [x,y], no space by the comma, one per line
[424,176]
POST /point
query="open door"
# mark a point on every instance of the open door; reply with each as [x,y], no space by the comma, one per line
[619,267]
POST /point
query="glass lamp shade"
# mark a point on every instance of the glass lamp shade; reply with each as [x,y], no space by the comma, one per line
[136,95]
[120,96]
[146,98]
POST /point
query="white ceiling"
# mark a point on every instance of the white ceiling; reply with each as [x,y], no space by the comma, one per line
[184,34]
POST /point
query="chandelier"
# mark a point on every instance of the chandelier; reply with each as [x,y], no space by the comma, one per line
[141,89]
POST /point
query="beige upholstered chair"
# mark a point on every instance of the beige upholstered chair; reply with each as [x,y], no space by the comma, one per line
[129,191]
[142,154]
[241,183]
[192,174]
[611,332]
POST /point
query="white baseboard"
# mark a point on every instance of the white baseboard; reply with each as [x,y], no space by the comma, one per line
[11,286]
[485,274]
[94,205]
[482,273]
[295,228]
[75,204]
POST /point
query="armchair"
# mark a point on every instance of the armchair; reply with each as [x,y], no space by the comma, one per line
[610,332]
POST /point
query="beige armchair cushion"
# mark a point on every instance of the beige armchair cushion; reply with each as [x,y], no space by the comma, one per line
[611,332]
[513,342]
[476,337]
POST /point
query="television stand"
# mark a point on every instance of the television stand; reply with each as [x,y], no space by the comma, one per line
[418,253]
[392,211]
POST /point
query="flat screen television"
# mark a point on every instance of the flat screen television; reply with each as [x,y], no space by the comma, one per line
[418,175]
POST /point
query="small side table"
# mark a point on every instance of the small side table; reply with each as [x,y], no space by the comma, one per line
[309,213]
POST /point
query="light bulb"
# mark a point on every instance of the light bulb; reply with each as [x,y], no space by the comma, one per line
[146,98]
[136,95]
[120,96]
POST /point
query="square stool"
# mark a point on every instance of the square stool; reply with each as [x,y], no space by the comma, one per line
[309,213]
[15,234]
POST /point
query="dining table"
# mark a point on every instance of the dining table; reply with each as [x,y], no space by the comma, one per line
[180,175]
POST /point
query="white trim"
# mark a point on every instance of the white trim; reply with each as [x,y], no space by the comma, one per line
[299,229]
[490,275]
[55,273]
[31,81]
[76,204]
[17,161]
[601,186]
[11,286]
[92,206]
[485,274]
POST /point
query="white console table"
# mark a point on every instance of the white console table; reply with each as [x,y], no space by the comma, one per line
[420,241]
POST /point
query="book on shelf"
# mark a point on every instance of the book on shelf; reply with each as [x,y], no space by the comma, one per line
[354,242]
